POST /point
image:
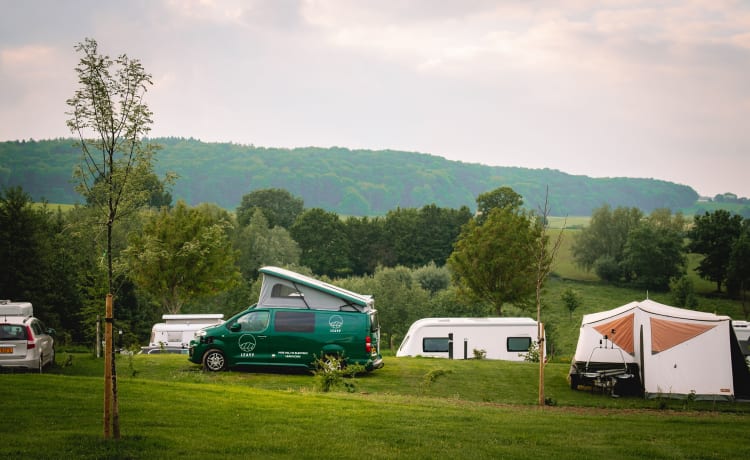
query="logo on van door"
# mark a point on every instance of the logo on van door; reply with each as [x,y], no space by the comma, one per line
[247,343]
[335,321]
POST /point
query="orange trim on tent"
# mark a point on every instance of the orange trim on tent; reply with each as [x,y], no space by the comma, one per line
[623,332]
[666,334]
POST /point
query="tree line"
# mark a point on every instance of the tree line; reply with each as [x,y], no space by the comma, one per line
[417,262]
[348,182]
[625,246]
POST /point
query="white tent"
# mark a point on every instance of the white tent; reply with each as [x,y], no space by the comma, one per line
[670,351]
[285,288]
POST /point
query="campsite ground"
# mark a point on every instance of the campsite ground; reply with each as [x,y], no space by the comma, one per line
[412,408]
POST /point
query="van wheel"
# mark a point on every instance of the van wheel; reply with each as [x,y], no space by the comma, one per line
[214,361]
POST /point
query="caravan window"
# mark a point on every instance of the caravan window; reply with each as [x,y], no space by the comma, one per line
[435,344]
[294,321]
[283,291]
[519,343]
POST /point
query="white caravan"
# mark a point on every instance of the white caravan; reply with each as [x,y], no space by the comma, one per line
[492,338]
[179,330]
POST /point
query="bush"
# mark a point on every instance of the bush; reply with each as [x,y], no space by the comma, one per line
[332,372]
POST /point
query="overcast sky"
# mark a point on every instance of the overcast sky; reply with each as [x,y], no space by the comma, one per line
[654,89]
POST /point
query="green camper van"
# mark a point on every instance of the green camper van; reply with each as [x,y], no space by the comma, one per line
[297,320]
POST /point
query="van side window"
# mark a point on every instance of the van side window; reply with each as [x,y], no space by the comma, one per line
[435,344]
[519,343]
[283,291]
[293,321]
[256,321]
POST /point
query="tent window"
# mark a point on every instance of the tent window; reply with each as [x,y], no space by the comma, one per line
[435,344]
[284,291]
[518,344]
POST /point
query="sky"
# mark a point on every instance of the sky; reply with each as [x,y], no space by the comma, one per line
[605,88]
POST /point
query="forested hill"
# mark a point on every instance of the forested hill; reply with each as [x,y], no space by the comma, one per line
[349,182]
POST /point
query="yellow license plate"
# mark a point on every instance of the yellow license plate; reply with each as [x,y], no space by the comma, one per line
[6,349]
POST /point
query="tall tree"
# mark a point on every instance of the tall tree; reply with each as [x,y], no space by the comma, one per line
[496,261]
[21,253]
[321,236]
[278,205]
[738,272]
[183,253]
[601,245]
[502,197]
[368,245]
[111,119]
[713,235]
[259,245]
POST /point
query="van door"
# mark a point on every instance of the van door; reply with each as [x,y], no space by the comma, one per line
[295,340]
[248,341]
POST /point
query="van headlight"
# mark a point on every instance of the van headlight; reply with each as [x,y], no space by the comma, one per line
[201,333]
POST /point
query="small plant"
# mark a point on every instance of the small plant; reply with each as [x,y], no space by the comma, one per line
[131,352]
[432,376]
[689,400]
[480,354]
[533,355]
[332,371]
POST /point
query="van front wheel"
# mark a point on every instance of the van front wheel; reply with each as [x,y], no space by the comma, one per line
[214,361]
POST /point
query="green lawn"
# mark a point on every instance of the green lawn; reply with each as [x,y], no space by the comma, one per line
[412,408]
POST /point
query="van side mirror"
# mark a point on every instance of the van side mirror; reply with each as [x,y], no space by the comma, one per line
[236,327]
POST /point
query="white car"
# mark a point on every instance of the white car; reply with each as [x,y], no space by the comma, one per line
[24,340]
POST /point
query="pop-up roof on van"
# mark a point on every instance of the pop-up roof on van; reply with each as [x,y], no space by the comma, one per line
[285,288]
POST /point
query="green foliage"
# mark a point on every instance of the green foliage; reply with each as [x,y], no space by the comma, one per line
[653,255]
[479,354]
[432,278]
[713,235]
[572,300]
[502,197]
[348,182]
[321,236]
[605,238]
[279,207]
[333,372]
[683,292]
[433,374]
[623,246]
[259,245]
[738,271]
[181,254]
[533,355]
[494,261]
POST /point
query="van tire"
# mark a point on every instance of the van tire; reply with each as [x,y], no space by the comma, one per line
[214,361]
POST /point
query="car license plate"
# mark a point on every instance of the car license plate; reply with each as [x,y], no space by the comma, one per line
[6,349]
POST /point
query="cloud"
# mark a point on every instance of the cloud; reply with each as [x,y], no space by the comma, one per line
[570,84]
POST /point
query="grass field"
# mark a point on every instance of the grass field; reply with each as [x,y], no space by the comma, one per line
[412,408]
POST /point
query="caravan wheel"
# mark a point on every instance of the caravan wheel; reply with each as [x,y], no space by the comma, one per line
[214,361]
